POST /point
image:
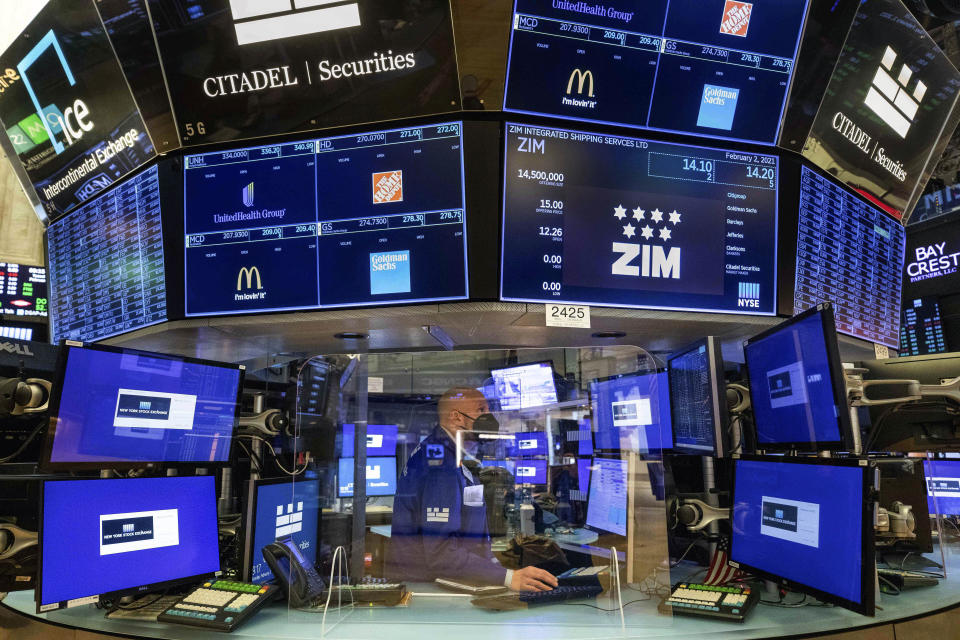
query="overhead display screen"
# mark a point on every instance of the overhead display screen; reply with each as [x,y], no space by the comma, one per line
[364,219]
[849,254]
[889,109]
[246,68]
[932,263]
[623,222]
[106,263]
[23,291]
[67,109]
[921,328]
[717,68]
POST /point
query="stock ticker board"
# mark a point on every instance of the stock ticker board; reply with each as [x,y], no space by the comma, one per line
[624,222]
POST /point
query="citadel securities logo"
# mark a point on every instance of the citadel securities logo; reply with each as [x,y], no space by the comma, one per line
[891,99]
[656,261]
[388,187]
[265,20]
[736,18]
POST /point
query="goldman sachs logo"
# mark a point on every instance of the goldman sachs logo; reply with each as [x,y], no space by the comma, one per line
[265,20]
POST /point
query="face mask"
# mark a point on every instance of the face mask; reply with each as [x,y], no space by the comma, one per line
[486,423]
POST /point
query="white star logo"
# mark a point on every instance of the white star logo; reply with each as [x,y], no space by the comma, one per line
[664,234]
[647,232]
[657,215]
[628,230]
[638,213]
[620,212]
[674,217]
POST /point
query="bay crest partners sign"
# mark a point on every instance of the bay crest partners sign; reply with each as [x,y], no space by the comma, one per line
[247,68]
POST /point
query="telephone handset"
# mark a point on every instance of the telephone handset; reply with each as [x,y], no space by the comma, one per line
[296,576]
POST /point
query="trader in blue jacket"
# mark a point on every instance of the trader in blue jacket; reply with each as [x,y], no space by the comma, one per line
[439,520]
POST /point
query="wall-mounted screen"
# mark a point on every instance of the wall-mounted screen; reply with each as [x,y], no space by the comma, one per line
[888,111]
[850,254]
[67,109]
[23,291]
[248,68]
[921,328]
[932,260]
[717,68]
[106,263]
[624,222]
[364,219]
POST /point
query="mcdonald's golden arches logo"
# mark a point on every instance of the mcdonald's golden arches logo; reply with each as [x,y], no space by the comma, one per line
[582,77]
[249,274]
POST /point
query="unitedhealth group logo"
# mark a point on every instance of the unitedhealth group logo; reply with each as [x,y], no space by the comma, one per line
[891,98]
[265,20]
[247,195]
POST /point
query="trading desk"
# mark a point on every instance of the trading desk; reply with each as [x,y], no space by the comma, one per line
[436,613]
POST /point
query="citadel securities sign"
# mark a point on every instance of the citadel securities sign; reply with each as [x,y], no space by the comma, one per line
[889,108]
[67,110]
[248,68]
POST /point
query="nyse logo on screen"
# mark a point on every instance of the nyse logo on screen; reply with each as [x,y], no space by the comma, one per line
[891,99]
[265,20]
[736,18]
[656,261]
[749,295]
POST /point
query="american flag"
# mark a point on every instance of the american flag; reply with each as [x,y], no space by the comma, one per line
[720,572]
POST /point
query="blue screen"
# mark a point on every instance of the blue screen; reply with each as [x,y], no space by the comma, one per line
[717,68]
[626,222]
[101,536]
[529,443]
[526,386]
[381,440]
[607,500]
[531,472]
[791,386]
[135,406]
[632,413]
[692,389]
[285,508]
[381,477]
[350,220]
[801,522]
[943,478]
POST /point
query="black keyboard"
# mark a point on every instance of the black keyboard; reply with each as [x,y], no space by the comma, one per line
[559,594]
[221,605]
[708,601]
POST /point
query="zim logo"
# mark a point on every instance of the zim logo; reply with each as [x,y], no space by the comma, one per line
[656,261]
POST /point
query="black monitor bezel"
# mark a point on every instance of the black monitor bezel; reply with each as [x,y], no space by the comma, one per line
[250,505]
[656,451]
[867,562]
[553,372]
[47,465]
[838,383]
[721,417]
[119,593]
[396,479]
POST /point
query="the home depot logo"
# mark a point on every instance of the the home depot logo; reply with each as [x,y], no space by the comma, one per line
[891,98]
[265,20]
[736,18]
[388,187]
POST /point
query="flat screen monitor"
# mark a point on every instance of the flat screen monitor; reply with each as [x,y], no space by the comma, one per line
[381,477]
[524,386]
[808,524]
[850,254]
[921,328]
[120,408]
[530,471]
[275,508]
[943,486]
[632,412]
[797,386]
[607,499]
[381,440]
[124,536]
[713,68]
[107,264]
[366,219]
[624,222]
[932,260]
[528,444]
[23,291]
[698,412]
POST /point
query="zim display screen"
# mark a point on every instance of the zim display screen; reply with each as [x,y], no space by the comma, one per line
[362,219]
[717,68]
[623,222]
[849,254]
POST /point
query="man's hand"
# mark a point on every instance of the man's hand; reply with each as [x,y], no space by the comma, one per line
[532,579]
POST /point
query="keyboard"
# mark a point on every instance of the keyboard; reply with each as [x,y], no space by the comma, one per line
[221,605]
[387,594]
[906,579]
[708,601]
[559,594]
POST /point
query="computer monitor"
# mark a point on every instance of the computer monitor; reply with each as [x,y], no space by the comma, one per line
[381,440]
[632,413]
[808,524]
[524,386]
[943,487]
[530,472]
[279,507]
[528,443]
[698,408]
[124,536]
[607,499]
[381,477]
[119,408]
[797,387]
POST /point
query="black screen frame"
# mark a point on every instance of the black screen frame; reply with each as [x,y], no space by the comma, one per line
[721,417]
[655,452]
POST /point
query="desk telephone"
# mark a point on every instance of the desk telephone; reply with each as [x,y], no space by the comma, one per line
[295,574]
